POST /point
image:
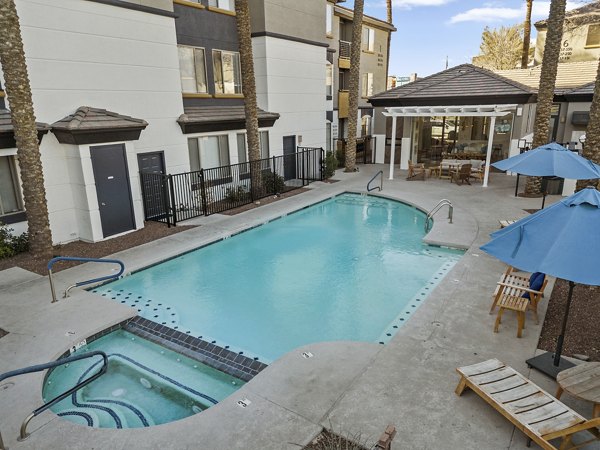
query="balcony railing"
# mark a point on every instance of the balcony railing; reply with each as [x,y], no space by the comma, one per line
[345,47]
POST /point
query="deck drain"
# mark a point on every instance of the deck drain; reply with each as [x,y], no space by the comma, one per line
[244,403]
[307,355]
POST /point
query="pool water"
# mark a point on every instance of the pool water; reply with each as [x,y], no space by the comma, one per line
[351,268]
[145,385]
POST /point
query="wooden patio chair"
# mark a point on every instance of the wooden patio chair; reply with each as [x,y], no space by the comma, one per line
[416,170]
[532,410]
[463,174]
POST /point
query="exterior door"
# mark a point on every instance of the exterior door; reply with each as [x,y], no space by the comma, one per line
[113,189]
[154,185]
[289,158]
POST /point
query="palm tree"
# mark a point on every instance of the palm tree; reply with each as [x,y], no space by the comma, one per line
[18,92]
[353,85]
[244,30]
[389,42]
[526,35]
[545,95]
[591,149]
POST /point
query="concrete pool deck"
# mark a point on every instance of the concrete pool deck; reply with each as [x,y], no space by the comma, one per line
[357,388]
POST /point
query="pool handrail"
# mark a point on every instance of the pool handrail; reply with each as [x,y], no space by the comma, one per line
[82,283]
[443,202]
[380,187]
[50,365]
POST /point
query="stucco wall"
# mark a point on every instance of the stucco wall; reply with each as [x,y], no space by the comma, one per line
[573,46]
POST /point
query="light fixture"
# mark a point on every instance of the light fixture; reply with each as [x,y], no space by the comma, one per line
[582,138]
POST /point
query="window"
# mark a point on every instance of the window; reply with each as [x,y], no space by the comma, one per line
[192,69]
[208,152]
[593,36]
[367,84]
[263,139]
[329,80]
[222,4]
[263,143]
[328,136]
[228,76]
[368,39]
[329,20]
[10,196]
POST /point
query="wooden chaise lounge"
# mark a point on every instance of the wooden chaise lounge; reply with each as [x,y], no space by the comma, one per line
[532,410]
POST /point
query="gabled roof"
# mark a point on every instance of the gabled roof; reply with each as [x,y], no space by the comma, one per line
[569,75]
[198,119]
[461,85]
[589,13]
[582,93]
[7,136]
[89,125]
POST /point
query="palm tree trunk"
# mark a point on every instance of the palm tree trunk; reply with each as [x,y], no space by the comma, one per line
[526,36]
[591,149]
[389,41]
[18,92]
[545,96]
[242,12]
[353,84]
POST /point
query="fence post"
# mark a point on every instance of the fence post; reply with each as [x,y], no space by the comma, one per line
[164,187]
[252,187]
[303,167]
[322,165]
[274,176]
[173,204]
[203,193]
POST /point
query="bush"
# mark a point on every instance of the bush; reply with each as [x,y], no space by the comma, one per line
[235,195]
[10,244]
[340,156]
[330,165]
[272,183]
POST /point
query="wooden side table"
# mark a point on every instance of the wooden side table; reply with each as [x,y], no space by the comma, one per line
[581,381]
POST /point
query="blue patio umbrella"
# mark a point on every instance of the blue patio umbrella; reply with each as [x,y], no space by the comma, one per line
[562,240]
[551,160]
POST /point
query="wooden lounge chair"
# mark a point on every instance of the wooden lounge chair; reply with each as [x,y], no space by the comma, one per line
[531,409]
[513,285]
[508,277]
[415,171]
[463,174]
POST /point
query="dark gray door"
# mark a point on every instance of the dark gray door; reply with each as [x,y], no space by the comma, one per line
[289,157]
[109,163]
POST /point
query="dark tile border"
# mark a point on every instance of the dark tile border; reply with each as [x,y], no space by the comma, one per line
[212,355]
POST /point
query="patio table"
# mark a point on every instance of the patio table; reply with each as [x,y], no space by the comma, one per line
[581,381]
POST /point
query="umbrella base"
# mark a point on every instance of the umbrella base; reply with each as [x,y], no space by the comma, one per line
[545,364]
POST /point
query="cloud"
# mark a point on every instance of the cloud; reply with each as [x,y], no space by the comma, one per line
[498,14]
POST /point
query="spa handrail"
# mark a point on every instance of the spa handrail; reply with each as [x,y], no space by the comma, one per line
[38,368]
[82,283]
[443,202]
[380,187]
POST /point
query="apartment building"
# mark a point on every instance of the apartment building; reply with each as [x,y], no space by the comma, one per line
[373,76]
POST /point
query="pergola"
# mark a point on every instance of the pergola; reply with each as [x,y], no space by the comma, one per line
[492,111]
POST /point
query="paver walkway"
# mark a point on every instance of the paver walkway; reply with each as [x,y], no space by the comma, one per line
[355,387]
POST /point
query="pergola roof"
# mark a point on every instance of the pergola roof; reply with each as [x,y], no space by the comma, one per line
[450,111]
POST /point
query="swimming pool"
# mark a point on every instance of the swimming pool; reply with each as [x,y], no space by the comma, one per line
[351,268]
[145,385]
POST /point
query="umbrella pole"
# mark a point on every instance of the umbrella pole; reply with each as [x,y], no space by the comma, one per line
[544,200]
[517,186]
[561,338]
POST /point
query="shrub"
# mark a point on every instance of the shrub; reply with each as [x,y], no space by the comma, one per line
[272,183]
[330,165]
[239,194]
[10,244]
[340,156]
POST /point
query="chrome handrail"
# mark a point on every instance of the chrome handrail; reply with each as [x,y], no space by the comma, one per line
[38,368]
[380,187]
[82,283]
[443,202]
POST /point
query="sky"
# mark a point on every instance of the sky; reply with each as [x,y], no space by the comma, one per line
[431,30]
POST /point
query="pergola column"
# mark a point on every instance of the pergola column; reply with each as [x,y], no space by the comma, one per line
[393,147]
[488,157]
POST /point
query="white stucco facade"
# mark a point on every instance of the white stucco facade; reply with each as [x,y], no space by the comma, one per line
[82,53]
[290,80]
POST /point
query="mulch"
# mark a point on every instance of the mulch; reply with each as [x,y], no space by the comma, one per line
[582,335]
[330,181]
[330,441]
[263,201]
[150,232]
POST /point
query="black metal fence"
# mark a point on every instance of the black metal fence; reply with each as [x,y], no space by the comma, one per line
[173,198]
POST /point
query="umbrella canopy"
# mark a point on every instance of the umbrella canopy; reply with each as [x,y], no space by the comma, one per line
[551,160]
[562,240]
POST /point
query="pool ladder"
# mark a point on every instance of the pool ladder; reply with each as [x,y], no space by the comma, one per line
[380,187]
[38,368]
[82,283]
[443,202]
